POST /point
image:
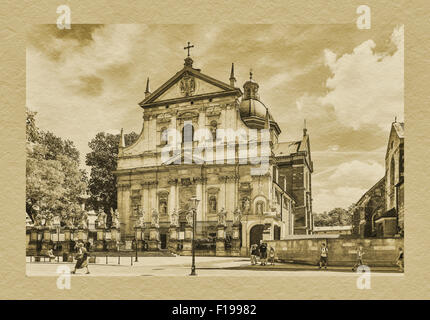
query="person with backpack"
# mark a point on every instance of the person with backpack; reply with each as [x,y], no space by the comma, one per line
[323,256]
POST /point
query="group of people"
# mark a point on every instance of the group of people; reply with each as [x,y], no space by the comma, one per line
[359,258]
[261,251]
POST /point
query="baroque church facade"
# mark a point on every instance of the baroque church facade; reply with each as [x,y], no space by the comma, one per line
[205,138]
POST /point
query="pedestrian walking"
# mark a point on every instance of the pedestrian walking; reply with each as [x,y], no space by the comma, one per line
[263,253]
[272,256]
[81,258]
[254,253]
[323,256]
[359,259]
[400,260]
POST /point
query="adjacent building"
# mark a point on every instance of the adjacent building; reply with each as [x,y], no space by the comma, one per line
[380,211]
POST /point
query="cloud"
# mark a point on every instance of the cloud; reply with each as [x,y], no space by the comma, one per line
[341,185]
[367,87]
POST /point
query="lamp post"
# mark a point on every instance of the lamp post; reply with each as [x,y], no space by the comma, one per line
[194,202]
[135,243]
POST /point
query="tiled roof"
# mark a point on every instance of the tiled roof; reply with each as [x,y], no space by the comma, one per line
[287,148]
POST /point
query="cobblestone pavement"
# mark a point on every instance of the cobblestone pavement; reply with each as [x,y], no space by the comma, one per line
[206,266]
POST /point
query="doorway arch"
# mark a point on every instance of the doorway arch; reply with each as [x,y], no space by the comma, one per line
[256,234]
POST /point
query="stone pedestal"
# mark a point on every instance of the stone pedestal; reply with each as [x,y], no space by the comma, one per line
[139,235]
[220,240]
[100,237]
[235,245]
[46,239]
[82,235]
[266,232]
[187,242]
[154,239]
[173,238]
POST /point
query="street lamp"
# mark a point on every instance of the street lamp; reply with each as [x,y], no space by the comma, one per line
[135,244]
[194,203]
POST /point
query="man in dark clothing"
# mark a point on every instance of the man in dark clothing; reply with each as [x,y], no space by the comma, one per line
[263,253]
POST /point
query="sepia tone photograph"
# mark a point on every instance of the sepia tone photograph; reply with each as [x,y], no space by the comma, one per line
[214,150]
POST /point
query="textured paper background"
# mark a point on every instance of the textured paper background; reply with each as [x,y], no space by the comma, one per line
[17,15]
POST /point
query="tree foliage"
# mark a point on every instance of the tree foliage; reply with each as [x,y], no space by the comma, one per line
[54,181]
[103,161]
[335,217]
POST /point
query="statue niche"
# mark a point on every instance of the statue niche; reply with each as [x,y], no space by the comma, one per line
[213,200]
[163,202]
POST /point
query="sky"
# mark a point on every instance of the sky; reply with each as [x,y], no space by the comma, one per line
[347,83]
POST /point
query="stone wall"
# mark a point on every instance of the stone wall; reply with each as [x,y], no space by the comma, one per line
[342,251]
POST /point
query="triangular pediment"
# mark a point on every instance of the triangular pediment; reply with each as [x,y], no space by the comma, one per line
[188,84]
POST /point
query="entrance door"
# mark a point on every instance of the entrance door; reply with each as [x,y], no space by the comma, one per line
[256,234]
[163,240]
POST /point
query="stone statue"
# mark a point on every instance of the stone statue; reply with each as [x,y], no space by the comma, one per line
[83,222]
[140,221]
[38,220]
[48,220]
[155,218]
[174,220]
[101,219]
[69,222]
[189,217]
[222,217]
[115,218]
[237,216]
[245,205]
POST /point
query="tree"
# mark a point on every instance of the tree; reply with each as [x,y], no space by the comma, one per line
[103,161]
[335,217]
[54,181]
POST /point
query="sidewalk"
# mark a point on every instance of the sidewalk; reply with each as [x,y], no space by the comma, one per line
[303,267]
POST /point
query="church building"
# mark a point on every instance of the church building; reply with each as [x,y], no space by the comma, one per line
[206,139]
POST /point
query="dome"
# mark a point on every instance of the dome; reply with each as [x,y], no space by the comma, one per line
[252,108]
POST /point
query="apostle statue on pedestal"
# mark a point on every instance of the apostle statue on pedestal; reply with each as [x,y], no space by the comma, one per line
[174,218]
[222,217]
[155,218]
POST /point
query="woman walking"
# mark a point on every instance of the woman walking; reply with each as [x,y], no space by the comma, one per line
[81,258]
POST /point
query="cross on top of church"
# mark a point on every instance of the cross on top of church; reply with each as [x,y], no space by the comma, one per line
[188,47]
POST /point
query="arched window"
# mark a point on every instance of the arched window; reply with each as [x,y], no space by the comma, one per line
[187,133]
[392,170]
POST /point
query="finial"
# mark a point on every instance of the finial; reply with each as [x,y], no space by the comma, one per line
[250,74]
[304,128]
[188,47]
[232,78]
[395,119]
[147,91]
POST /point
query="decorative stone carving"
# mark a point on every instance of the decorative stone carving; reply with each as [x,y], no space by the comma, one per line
[187,85]
[83,222]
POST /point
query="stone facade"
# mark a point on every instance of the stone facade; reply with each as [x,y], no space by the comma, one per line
[153,182]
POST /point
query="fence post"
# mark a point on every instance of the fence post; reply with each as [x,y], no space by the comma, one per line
[106,259]
[131,260]
[119,259]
